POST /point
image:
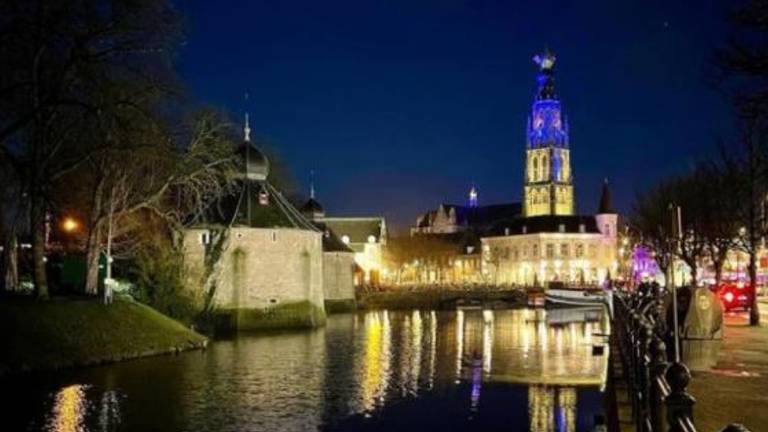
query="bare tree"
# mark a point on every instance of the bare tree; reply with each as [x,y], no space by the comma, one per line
[62,62]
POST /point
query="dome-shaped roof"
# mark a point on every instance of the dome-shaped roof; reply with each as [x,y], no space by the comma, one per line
[256,162]
[312,206]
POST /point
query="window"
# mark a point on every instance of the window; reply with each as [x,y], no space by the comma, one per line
[274,236]
[515,253]
[592,251]
[579,250]
[535,251]
[506,253]
[525,251]
[607,229]
[205,238]
[582,228]
[550,251]
[506,231]
[561,228]
[525,229]
[564,252]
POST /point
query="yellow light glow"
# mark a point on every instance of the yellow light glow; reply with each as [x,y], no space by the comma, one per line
[70,225]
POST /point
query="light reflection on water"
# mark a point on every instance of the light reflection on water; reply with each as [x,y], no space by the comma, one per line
[360,371]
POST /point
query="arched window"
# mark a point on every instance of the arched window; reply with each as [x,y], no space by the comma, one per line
[535,169]
[544,167]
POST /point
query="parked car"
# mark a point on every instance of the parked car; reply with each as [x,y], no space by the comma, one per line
[735,296]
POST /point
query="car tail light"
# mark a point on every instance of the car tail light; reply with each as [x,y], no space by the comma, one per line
[728,297]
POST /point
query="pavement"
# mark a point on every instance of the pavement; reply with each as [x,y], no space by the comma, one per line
[735,388]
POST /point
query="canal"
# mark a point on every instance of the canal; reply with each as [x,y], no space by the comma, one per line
[374,370]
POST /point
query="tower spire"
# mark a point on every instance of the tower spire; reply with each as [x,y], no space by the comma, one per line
[247,129]
[312,184]
[473,196]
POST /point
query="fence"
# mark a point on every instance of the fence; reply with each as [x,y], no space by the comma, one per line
[657,383]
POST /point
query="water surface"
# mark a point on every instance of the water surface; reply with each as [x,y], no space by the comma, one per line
[379,370]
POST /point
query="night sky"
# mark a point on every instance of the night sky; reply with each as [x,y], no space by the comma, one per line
[400,105]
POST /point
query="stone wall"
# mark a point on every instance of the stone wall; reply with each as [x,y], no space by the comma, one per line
[338,275]
[263,269]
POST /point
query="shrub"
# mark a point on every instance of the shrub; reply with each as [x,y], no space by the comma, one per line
[158,276]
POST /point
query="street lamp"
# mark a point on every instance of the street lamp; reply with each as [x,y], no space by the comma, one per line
[70,225]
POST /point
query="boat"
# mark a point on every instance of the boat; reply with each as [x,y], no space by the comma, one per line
[570,297]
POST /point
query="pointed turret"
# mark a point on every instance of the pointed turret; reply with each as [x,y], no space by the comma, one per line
[605,205]
[312,209]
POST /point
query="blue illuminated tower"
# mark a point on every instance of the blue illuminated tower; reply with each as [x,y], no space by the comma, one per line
[548,177]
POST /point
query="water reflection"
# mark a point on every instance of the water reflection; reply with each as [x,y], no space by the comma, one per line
[510,369]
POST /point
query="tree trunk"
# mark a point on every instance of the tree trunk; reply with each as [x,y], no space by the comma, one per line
[11,263]
[92,255]
[754,312]
[93,245]
[39,276]
[718,265]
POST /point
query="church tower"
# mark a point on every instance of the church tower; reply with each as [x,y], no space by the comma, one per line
[548,177]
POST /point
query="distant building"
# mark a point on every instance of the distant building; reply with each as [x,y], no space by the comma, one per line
[452,218]
[538,241]
[551,243]
[365,236]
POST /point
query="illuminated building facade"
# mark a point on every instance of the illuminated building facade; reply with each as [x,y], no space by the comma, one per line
[548,177]
[365,236]
[550,243]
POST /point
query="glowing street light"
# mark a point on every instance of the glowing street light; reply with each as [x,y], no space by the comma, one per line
[70,225]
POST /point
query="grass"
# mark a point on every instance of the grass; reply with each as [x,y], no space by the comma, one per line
[64,333]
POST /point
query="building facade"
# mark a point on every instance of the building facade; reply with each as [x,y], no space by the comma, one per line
[551,243]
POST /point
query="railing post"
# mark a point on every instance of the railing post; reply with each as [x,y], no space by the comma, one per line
[679,402]
[656,398]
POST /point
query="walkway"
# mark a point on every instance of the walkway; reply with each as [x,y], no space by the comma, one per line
[736,389]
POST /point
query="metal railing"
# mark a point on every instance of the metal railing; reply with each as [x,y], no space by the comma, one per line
[656,382]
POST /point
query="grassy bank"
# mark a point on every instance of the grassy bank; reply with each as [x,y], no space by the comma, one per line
[436,299]
[65,333]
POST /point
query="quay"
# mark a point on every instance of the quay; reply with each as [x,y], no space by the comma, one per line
[649,391]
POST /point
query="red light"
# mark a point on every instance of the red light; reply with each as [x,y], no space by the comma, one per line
[728,297]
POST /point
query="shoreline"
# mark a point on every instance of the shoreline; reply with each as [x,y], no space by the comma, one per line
[72,333]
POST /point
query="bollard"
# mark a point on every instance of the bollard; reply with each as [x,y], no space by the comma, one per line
[679,403]
[656,398]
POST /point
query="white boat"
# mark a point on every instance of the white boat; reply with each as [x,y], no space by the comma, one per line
[576,297]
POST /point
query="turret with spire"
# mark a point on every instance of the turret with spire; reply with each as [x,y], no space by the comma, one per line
[312,209]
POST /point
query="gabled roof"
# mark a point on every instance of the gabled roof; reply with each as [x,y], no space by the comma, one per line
[331,241]
[312,206]
[358,229]
[546,224]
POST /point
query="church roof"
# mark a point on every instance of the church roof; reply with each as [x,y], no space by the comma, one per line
[605,205]
[479,217]
[547,224]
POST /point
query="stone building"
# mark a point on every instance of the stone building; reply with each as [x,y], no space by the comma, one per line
[259,259]
[339,272]
[365,236]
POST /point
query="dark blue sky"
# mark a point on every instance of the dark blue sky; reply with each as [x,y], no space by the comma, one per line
[400,105]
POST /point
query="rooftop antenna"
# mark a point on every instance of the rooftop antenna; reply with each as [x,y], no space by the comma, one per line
[312,184]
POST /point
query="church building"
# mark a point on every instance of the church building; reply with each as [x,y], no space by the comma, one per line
[550,242]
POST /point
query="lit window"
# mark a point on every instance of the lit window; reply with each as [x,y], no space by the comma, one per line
[345,239]
[561,228]
[564,250]
[205,238]
[550,251]
[535,252]
[582,228]
[579,250]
